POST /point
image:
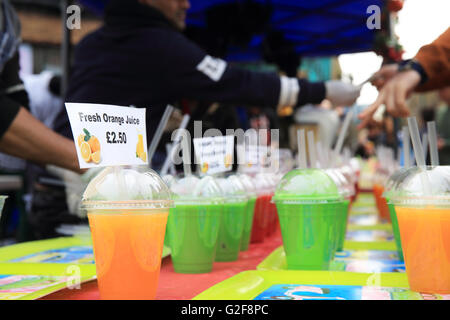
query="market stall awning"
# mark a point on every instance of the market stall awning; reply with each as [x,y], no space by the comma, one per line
[315,28]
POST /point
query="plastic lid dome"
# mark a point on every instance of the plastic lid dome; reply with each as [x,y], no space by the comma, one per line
[423,186]
[248,184]
[232,189]
[119,187]
[310,185]
[199,190]
[395,179]
[263,186]
[346,188]
[169,180]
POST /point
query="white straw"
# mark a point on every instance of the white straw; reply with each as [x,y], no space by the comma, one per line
[312,149]
[176,141]
[301,141]
[432,137]
[417,145]
[343,133]
[158,133]
[406,147]
[418,152]
[425,146]
[185,144]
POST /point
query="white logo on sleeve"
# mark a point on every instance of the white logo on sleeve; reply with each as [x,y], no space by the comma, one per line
[212,67]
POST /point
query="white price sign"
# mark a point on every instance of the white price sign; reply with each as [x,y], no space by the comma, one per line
[253,158]
[214,154]
[107,135]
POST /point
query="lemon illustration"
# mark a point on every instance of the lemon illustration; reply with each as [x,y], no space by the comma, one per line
[205,167]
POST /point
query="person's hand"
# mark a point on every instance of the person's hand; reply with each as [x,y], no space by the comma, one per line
[393,95]
[383,75]
[75,185]
[340,93]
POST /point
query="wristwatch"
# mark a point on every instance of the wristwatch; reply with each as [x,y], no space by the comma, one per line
[412,64]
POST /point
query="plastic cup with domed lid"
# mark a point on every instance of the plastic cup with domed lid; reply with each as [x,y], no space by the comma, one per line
[194,223]
[261,218]
[308,201]
[127,212]
[422,205]
[233,218]
[271,209]
[252,195]
[390,188]
[347,191]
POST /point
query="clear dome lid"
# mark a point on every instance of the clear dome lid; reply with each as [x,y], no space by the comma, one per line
[169,179]
[248,184]
[346,188]
[263,185]
[232,189]
[423,186]
[395,179]
[122,187]
[191,188]
[307,185]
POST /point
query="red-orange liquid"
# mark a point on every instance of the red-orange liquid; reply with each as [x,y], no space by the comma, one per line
[260,219]
[425,235]
[382,206]
[127,249]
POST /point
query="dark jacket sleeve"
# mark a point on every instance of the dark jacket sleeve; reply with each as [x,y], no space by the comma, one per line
[202,77]
[12,94]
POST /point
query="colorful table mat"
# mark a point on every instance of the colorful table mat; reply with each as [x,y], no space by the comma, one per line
[363,261]
[34,269]
[314,285]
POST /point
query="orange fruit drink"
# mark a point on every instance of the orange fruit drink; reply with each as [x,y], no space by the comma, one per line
[425,236]
[128,247]
[382,206]
[127,212]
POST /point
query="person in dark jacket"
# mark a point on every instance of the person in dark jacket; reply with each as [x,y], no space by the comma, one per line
[140,57]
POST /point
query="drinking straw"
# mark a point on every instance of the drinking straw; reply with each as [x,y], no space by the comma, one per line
[171,167]
[312,150]
[418,152]
[159,131]
[320,155]
[343,133]
[432,138]
[301,142]
[176,141]
[406,147]
[185,144]
[425,146]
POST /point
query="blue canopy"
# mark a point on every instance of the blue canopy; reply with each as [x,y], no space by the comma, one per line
[316,28]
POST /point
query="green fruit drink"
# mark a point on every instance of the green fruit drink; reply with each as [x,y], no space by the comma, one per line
[390,190]
[194,229]
[248,223]
[233,219]
[307,201]
[250,210]
[194,224]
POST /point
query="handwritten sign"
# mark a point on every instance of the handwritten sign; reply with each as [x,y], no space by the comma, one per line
[214,154]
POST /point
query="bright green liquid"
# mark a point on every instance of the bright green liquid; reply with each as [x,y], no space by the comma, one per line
[231,231]
[249,213]
[193,233]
